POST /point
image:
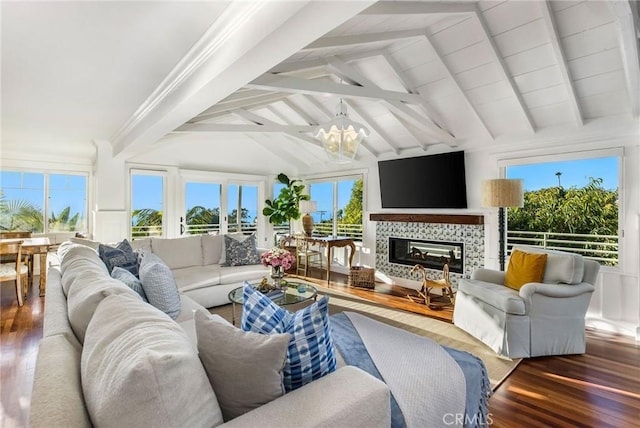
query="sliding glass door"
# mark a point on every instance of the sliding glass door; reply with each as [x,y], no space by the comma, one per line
[202,208]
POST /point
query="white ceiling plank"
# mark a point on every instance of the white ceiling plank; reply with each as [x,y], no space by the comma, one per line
[418,7]
[291,156]
[297,110]
[348,72]
[252,117]
[503,68]
[360,39]
[371,123]
[302,86]
[550,23]
[629,52]
[458,86]
[409,86]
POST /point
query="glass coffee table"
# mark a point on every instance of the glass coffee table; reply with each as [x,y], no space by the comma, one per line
[295,292]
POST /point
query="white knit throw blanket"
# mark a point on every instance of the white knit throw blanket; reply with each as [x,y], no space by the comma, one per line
[426,382]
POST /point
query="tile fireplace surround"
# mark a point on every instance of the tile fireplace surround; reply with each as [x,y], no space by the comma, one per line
[467,229]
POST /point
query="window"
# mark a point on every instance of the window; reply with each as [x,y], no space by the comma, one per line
[147,203]
[569,205]
[242,199]
[339,205]
[28,198]
[202,202]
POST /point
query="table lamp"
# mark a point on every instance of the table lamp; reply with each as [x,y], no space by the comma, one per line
[307,221]
[502,193]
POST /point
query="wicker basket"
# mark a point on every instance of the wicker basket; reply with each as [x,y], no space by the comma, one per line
[361,276]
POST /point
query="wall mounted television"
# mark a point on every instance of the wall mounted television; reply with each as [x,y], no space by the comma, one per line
[435,181]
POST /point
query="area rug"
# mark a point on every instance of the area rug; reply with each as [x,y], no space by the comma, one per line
[498,368]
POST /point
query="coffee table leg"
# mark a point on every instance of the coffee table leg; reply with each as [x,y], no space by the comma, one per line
[233,313]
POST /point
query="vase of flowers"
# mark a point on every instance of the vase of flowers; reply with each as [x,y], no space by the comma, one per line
[279,260]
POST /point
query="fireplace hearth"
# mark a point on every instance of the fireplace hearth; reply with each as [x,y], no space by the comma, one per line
[430,254]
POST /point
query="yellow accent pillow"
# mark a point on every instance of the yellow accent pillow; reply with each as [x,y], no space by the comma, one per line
[524,268]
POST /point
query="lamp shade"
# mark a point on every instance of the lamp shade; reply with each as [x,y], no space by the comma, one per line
[308,206]
[341,136]
[502,193]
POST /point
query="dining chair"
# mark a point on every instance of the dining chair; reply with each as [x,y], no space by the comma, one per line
[26,258]
[14,270]
[306,257]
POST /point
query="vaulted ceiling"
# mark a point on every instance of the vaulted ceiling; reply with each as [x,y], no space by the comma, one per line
[240,86]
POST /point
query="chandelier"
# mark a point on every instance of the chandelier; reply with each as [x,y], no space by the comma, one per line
[341,136]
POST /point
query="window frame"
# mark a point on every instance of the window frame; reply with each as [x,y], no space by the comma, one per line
[165,191]
[46,172]
[617,152]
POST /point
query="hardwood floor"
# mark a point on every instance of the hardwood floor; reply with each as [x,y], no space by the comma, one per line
[598,389]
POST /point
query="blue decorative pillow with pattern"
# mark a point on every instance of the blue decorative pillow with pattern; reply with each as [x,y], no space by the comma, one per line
[130,280]
[241,253]
[121,255]
[159,285]
[310,354]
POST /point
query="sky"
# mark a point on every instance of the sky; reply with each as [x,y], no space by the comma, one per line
[574,173]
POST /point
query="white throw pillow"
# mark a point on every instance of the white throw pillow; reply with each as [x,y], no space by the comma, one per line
[159,285]
[139,369]
[212,249]
[179,252]
[244,368]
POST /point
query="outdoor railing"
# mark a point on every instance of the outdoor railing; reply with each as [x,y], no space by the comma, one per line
[138,232]
[601,248]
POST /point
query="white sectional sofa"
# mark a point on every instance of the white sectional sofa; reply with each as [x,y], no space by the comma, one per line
[64,392]
[197,264]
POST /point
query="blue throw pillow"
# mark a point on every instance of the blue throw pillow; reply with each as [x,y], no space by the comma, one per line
[241,253]
[130,280]
[121,255]
[310,354]
[159,285]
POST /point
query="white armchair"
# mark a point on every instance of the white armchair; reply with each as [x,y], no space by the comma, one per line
[546,318]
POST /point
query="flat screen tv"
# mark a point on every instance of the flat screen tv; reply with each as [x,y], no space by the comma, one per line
[435,181]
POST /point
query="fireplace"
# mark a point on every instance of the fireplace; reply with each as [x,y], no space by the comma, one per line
[430,254]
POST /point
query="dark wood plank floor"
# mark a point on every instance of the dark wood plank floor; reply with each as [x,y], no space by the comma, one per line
[598,389]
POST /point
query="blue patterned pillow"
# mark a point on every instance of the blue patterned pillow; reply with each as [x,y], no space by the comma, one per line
[130,280]
[159,285]
[241,253]
[310,354]
[121,255]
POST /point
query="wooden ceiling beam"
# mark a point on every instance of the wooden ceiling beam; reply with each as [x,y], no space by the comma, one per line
[224,127]
[506,75]
[371,123]
[418,7]
[301,86]
[627,24]
[550,23]
[361,39]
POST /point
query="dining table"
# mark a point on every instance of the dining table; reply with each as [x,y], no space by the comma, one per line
[35,247]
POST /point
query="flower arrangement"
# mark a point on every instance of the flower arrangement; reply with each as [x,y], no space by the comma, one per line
[277,257]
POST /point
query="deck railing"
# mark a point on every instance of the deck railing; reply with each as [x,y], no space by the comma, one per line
[601,248]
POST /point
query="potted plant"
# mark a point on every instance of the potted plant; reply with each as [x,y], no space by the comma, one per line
[285,207]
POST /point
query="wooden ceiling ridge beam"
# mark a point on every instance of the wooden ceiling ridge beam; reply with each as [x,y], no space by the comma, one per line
[229,127]
[301,86]
[626,22]
[552,28]
[306,64]
[224,108]
[371,123]
[418,7]
[506,75]
[423,122]
[457,84]
[360,39]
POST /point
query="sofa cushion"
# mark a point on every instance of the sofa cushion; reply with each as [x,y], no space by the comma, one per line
[85,294]
[561,268]
[311,354]
[141,370]
[130,280]
[77,259]
[497,295]
[524,268]
[159,286]
[179,252]
[241,253]
[121,255]
[212,248]
[238,274]
[193,277]
[86,242]
[229,353]
[57,388]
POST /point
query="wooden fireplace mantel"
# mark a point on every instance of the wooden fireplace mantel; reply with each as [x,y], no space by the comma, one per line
[429,218]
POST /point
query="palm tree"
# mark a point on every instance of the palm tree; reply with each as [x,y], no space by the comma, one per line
[20,215]
[146,222]
[202,218]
